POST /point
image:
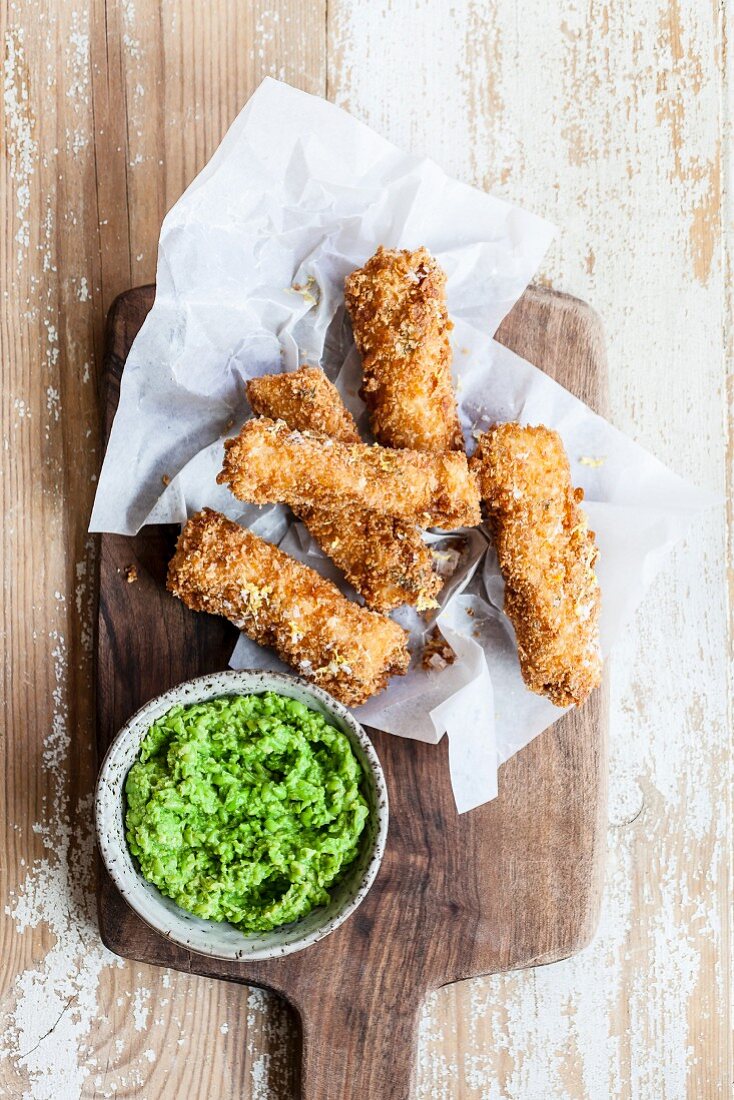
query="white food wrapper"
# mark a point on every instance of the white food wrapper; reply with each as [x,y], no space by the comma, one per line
[250,280]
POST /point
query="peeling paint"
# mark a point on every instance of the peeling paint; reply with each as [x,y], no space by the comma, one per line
[606,117]
[20,124]
[610,115]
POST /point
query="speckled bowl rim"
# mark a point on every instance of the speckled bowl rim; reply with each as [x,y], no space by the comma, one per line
[161,913]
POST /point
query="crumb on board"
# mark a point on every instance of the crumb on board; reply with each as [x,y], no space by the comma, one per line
[590,460]
[131,574]
[437,653]
[166,479]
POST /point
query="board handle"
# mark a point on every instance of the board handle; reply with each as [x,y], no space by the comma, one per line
[358,1048]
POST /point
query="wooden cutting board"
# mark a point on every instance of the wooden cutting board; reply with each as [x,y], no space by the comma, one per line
[515,883]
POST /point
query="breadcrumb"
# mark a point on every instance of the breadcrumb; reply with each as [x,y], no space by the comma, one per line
[437,653]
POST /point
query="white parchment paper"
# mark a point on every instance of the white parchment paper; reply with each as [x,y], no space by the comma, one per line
[251,268]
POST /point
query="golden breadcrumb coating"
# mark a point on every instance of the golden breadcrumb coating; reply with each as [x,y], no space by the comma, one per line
[267,463]
[385,559]
[397,303]
[306,400]
[224,569]
[546,553]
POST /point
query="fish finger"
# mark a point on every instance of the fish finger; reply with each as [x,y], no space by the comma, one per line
[267,464]
[546,554]
[306,400]
[383,558]
[397,304]
[277,601]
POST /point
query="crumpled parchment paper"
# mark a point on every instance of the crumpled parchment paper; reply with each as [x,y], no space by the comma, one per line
[251,268]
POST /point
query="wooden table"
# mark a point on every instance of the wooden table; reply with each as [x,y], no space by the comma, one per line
[609,119]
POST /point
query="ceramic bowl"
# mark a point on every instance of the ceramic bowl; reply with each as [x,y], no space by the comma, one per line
[221,940]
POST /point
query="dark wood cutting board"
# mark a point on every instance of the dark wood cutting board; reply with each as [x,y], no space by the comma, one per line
[512,884]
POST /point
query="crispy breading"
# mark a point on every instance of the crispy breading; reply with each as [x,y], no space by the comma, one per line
[397,303]
[267,463]
[277,601]
[306,400]
[546,553]
[385,559]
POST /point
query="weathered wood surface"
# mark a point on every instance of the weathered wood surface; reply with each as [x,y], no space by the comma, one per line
[503,887]
[611,119]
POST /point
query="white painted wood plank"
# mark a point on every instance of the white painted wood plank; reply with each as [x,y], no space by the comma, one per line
[607,119]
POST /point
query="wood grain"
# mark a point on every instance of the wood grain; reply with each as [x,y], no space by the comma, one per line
[455,897]
[614,121]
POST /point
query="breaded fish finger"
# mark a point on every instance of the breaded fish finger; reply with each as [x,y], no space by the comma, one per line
[546,554]
[383,558]
[306,400]
[267,463]
[224,569]
[397,303]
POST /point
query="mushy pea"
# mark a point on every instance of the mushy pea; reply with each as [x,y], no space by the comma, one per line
[245,809]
